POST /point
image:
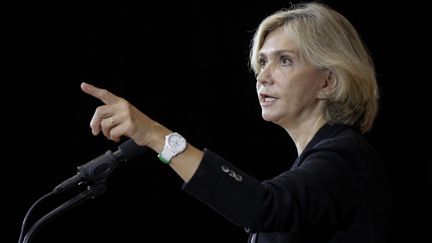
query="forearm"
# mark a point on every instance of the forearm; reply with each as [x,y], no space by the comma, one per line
[184,164]
[119,118]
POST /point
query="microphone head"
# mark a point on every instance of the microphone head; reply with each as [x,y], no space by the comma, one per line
[130,150]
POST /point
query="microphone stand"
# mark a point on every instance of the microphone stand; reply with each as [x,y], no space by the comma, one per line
[94,173]
[92,191]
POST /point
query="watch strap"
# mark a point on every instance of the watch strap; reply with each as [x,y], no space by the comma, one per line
[165,156]
[178,144]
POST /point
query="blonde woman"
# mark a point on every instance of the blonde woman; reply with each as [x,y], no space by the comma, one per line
[315,79]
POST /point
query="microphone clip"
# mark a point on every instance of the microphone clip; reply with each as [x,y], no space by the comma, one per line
[98,169]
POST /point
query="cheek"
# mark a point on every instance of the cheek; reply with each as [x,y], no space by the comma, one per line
[304,86]
[258,86]
[288,89]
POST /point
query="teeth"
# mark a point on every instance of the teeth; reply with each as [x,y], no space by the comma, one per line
[268,99]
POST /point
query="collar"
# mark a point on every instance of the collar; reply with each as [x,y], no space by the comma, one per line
[325,132]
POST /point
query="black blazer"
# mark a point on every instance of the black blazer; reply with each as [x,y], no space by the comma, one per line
[336,191]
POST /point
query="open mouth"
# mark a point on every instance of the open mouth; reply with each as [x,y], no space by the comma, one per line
[267,99]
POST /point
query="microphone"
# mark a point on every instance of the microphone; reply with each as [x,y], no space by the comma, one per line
[100,167]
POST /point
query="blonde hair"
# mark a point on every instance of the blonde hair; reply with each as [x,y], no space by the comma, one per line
[327,40]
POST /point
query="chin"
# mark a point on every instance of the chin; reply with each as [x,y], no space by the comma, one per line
[268,117]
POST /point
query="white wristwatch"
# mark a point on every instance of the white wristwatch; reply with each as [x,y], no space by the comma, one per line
[174,144]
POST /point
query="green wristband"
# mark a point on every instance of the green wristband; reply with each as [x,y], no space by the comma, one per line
[163,160]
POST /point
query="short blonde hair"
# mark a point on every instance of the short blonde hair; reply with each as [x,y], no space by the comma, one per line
[327,40]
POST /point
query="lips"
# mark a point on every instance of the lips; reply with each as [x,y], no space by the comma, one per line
[267,99]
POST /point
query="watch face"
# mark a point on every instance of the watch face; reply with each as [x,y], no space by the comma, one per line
[176,142]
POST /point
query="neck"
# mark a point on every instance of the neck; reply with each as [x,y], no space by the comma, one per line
[303,133]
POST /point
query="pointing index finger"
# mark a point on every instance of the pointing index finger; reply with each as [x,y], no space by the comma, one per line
[102,94]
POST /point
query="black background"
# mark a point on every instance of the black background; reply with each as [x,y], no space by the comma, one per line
[185,65]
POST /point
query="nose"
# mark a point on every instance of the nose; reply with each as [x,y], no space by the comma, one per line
[264,77]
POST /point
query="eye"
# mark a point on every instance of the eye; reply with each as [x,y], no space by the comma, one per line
[262,62]
[285,60]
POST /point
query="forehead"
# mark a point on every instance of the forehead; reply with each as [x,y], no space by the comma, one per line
[279,40]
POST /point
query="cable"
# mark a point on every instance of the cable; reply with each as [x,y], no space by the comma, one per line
[92,192]
[23,226]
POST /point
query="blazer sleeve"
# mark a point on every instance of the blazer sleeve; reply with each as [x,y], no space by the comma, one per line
[226,189]
[321,192]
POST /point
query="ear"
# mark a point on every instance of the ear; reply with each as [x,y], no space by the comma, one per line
[328,85]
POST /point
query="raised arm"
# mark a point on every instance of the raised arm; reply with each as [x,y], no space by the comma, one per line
[117,118]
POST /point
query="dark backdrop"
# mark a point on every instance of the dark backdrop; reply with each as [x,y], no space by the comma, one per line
[184,65]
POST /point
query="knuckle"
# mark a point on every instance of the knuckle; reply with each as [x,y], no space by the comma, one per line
[98,110]
[124,104]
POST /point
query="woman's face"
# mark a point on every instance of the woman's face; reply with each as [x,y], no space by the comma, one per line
[287,85]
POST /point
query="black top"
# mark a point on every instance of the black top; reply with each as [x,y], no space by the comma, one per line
[336,191]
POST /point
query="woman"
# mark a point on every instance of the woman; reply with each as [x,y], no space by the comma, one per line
[316,80]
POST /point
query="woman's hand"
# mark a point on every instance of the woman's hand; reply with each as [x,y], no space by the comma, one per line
[117,118]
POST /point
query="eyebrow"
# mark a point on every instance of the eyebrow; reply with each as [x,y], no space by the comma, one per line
[278,53]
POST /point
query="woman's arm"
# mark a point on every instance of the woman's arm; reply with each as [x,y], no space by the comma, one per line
[117,118]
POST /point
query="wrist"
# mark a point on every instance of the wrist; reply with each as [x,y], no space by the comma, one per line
[157,137]
[174,145]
